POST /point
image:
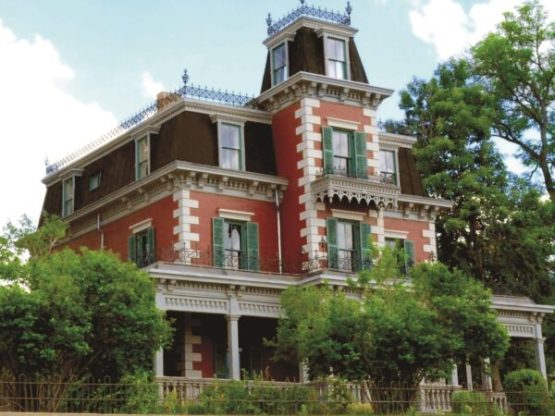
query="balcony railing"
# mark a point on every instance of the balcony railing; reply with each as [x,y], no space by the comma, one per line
[346,172]
[388,177]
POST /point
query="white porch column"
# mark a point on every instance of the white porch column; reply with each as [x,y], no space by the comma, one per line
[540,354]
[486,375]
[303,372]
[454,376]
[159,363]
[469,377]
[233,345]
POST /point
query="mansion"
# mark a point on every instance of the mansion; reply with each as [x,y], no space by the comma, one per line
[227,200]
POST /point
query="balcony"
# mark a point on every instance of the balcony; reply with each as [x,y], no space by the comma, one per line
[368,190]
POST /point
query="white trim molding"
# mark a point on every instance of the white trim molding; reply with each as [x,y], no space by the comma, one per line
[347,215]
[343,124]
[231,214]
[140,226]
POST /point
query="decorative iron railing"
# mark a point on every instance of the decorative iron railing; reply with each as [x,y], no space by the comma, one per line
[305,10]
[345,171]
[191,91]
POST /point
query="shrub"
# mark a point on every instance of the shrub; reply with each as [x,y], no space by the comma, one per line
[360,409]
[470,402]
[527,393]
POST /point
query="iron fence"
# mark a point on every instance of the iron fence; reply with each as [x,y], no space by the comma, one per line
[174,395]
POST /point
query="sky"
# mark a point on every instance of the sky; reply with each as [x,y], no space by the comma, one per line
[70,69]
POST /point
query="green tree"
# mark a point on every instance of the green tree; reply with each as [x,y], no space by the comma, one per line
[496,230]
[66,315]
[392,334]
[516,64]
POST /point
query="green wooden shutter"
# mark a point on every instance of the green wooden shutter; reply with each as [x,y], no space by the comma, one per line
[131,253]
[409,254]
[327,137]
[253,258]
[218,242]
[150,245]
[357,260]
[360,155]
[365,246]
[331,224]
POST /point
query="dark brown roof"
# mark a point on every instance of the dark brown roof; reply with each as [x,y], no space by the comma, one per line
[189,136]
[306,53]
[411,182]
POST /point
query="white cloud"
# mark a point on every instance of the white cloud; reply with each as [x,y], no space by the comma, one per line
[39,119]
[151,87]
[451,30]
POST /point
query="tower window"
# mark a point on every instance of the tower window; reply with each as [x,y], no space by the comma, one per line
[336,65]
[279,64]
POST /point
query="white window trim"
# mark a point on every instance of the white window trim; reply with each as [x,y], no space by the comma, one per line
[343,124]
[286,43]
[347,215]
[141,226]
[230,214]
[326,35]
[137,139]
[396,234]
[72,178]
[239,122]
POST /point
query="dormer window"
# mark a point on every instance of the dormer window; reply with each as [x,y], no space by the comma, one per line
[142,157]
[231,144]
[336,58]
[388,167]
[279,64]
[68,196]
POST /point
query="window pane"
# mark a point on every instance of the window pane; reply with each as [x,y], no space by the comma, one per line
[279,75]
[344,236]
[68,189]
[232,236]
[230,159]
[336,49]
[387,161]
[232,245]
[279,57]
[340,144]
[231,136]
[142,150]
[143,169]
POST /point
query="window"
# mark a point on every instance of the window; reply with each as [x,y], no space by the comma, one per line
[349,246]
[336,65]
[279,64]
[345,153]
[231,149]
[142,159]
[68,193]
[141,247]
[342,150]
[405,251]
[235,244]
[94,181]
[388,171]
